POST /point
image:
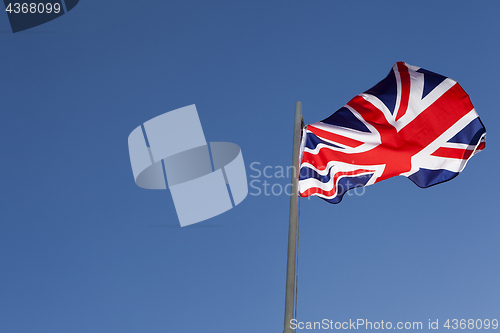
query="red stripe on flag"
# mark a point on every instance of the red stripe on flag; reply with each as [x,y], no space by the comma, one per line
[404,76]
[481,146]
[335,137]
[370,113]
[461,154]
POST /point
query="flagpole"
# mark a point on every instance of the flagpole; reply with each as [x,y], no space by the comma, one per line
[292,226]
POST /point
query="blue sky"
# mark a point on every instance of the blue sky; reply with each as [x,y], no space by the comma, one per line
[83,249]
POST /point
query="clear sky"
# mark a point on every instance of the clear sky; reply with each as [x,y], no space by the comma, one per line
[83,249]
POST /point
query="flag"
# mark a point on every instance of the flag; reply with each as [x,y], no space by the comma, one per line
[414,123]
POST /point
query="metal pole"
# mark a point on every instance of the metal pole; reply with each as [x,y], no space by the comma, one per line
[292,227]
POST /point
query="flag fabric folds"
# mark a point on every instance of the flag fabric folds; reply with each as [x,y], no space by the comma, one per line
[414,123]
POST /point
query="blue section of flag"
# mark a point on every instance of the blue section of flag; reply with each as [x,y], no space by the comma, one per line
[386,90]
[312,141]
[307,173]
[344,184]
[431,81]
[426,177]
[470,134]
[347,183]
[343,117]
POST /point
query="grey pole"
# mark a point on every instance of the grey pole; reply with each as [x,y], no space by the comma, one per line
[292,226]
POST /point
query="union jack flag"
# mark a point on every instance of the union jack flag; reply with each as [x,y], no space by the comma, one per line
[414,123]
